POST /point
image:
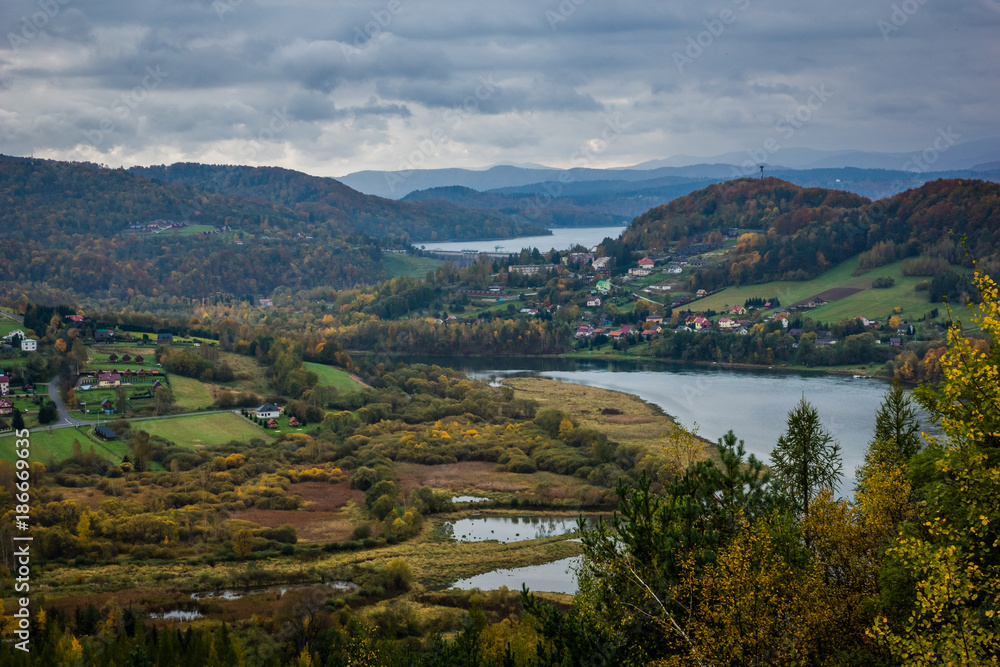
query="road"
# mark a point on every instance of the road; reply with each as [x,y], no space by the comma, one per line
[12,316]
[66,421]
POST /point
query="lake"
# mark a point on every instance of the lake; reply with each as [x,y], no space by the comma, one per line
[555,577]
[508,528]
[754,403]
[561,239]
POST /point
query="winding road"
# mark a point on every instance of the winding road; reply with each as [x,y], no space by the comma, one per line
[66,421]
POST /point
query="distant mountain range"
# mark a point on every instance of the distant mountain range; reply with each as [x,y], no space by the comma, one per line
[869,173]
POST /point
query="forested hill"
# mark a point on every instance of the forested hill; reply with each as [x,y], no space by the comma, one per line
[44,198]
[746,203]
[328,201]
[65,227]
[794,233]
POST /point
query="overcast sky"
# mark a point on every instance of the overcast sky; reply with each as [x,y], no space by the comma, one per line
[332,87]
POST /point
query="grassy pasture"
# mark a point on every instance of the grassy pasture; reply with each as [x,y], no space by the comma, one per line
[57,445]
[397,264]
[190,394]
[871,303]
[335,377]
[200,430]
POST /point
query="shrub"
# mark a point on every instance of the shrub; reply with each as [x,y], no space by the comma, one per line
[285,534]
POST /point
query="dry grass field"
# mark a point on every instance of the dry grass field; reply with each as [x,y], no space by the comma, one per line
[625,418]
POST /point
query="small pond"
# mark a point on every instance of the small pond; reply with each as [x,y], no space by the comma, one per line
[508,528]
[555,577]
[177,615]
[236,594]
[468,499]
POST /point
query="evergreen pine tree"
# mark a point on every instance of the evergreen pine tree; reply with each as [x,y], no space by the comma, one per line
[805,459]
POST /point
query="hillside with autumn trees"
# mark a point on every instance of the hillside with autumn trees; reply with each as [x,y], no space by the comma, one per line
[792,233]
[67,229]
[328,201]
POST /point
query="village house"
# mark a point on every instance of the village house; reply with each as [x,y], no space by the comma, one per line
[77,319]
[267,411]
[107,406]
[113,358]
[525,269]
[603,286]
[738,310]
[108,378]
[698,322]
[104,432]
[104,335]
[272,423]
[673,269]
[266,303]
[655,318]
[4,385]
[29,345]
[646,263]
[580,258]
[138,359]
[6,406]
[639,272]
[164,338]
[601,263]
[292,421]
[701,293]
[594,302]
[825,338]
[126,358]
[727,324]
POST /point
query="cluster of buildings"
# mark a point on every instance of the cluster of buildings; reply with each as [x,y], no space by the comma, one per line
[155,227]
[26,344]
[115,378]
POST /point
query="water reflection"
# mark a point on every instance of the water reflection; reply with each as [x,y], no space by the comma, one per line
[556,577]
[508,528]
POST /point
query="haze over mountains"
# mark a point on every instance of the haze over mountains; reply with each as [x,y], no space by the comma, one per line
[884,174]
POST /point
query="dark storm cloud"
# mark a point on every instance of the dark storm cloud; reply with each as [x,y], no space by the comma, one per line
[360,83]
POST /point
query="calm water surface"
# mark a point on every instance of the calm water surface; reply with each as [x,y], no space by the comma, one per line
[561,239]
[753,403]
[508,528]
[556,577]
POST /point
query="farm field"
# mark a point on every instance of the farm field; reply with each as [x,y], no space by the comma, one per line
[190,394]
[57,445]
[250,375]
[335,377]
[200,430]
[871,303]
[397,264]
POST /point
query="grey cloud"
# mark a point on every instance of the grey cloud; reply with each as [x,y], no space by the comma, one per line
[558,69]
